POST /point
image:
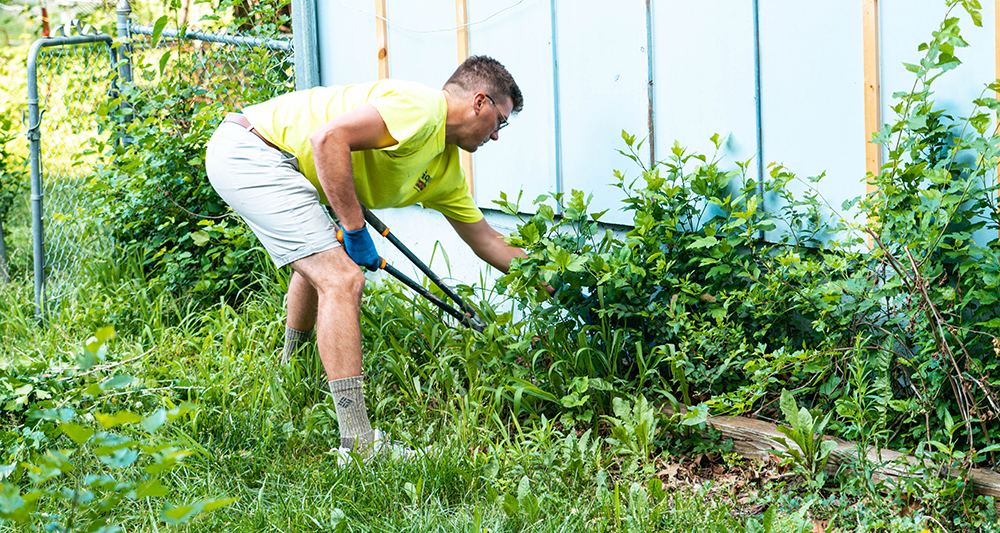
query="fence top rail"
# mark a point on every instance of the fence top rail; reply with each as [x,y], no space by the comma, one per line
[272,44]
[47,42]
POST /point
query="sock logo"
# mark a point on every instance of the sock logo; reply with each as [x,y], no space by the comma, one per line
[345,402]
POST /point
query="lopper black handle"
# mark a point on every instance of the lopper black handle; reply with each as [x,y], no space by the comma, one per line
[383,230]
[466,319]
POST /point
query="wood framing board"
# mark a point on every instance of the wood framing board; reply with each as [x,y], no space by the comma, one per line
[462,34]
[382,39]
[753,439]
[873,97]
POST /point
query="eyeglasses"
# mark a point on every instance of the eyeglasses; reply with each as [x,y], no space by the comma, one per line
[503,119]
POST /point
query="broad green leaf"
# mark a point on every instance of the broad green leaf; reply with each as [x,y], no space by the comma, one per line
[200,238]
[510,505]
[704,242]
[153,422]
[211,505]
[696,415]
[151,488]
[119,458]
[12,505]
[178,515]
[77,433]
[163,61]
[826,448]
[769,518]
[117,419]
[523,488]
[788,408]
[805,424]
[157,30]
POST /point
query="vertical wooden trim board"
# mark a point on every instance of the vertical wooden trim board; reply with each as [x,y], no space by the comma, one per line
[382,39]
[873,97]
[462,24]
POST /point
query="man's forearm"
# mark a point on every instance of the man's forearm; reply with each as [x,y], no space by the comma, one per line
[361,128]
[333,168]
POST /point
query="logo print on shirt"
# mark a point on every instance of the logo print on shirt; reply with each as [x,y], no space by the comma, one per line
[422,182]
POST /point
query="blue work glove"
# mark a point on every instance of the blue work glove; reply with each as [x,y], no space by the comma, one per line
[361,249]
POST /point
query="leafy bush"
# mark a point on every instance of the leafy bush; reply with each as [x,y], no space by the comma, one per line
[77,468]
[155,196]
[693,301]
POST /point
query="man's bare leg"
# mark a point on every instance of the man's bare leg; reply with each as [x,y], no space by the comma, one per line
[301,305]
[338,284]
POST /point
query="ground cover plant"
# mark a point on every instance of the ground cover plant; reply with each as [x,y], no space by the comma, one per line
[554,418]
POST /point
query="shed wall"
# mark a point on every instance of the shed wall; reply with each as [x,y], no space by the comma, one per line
[663,70]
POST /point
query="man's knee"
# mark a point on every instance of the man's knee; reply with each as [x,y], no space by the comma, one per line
[337,279]
[352,282]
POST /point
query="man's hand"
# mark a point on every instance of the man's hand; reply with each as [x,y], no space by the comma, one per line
[361,249]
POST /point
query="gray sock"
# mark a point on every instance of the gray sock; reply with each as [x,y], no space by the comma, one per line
[294,339]
[352,415]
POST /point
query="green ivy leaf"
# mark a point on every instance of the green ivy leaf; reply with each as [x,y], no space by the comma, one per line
[200,238]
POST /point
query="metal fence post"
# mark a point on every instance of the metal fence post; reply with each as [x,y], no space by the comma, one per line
[35,137]
[306,44]
[124,11]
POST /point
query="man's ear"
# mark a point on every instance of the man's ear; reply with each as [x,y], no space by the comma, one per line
[478,101]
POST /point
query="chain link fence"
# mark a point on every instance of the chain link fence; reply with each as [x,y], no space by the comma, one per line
[70,95]
[230,70]
[69,77]
[77,83]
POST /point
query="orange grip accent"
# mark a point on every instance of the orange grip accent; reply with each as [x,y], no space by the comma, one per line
[381,262]
[386,232]
[340,235]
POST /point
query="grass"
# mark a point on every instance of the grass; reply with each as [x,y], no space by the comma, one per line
[261,433]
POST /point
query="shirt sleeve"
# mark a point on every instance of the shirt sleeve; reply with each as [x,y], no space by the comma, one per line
[409,119]
[458,205]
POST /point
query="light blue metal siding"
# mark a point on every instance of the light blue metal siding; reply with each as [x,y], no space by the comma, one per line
[346,36]
[704,78]
[524,157]
[907,23]
[812,94]
[422,41]
[603,75]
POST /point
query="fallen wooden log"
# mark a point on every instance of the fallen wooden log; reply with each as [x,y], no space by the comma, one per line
[753,439]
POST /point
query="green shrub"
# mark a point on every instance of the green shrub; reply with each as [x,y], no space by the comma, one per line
[694,302]
[154,195]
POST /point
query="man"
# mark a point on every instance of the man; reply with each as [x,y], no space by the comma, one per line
[382,144]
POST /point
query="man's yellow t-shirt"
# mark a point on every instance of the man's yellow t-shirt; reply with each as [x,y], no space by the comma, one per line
[420,168]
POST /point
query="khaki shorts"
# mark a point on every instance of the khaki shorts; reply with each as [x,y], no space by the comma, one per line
[265,187]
